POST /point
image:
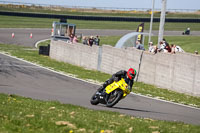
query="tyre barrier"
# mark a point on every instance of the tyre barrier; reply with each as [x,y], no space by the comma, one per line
[44,50]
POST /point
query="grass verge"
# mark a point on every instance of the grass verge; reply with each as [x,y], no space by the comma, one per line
[18,114]
[93,12]
[141,88]
[29,22]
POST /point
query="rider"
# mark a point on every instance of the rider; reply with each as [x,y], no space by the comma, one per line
[127,75]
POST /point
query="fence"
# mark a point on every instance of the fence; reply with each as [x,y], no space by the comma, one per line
[177,72]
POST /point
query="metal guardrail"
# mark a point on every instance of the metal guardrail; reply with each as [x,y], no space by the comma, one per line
[102,8]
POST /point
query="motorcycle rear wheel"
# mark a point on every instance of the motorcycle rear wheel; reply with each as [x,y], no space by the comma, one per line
[94,100]
[114,98]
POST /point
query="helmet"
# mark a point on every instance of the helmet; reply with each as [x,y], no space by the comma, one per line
[131,73]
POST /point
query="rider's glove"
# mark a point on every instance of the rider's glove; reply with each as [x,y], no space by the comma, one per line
[116,79]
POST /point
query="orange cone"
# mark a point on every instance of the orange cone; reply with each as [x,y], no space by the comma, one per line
[13,35]
[31,35]
[52,32]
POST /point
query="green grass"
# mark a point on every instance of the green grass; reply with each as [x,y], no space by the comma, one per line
[44,43]
[25,22]
[92,12]
[29,22]
[141,88]
[19,114]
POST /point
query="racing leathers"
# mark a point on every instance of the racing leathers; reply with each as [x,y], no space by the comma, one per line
[116,77]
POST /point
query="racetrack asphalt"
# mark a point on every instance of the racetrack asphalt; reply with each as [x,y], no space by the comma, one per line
[22,35]
[25,79]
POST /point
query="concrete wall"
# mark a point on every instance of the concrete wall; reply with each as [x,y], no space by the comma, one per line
[80,55]
[179,72]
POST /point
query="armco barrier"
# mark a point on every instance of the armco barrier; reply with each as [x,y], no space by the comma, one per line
[178,72]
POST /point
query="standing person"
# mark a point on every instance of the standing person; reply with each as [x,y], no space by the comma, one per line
[84,40]
[97,40]
[75,39]
[71,38]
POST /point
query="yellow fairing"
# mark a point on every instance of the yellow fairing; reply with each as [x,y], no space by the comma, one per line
[120,84]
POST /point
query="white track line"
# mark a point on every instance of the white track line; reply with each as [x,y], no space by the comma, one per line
[165,101]
[96,83]
[24,66]
[36,44]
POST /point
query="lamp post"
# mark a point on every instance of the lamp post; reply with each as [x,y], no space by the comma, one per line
[162,22]
[151,23]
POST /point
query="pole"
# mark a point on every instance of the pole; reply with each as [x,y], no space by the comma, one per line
[162,22]
[150,29]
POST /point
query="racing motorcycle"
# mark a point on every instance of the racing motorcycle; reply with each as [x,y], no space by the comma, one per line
[112,94]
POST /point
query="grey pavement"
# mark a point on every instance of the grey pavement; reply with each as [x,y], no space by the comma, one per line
[24,79]
[22,35]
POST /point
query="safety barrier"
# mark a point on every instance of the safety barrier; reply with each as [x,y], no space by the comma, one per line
[178,72]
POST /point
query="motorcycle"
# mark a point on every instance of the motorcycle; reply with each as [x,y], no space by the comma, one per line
[112,94]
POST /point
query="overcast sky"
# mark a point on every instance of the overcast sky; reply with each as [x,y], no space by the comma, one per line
[171,4]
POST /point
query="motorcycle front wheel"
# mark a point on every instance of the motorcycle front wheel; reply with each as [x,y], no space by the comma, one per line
[94,100]
[113,98]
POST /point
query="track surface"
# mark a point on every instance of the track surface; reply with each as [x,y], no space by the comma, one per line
[21,78]
[22,36]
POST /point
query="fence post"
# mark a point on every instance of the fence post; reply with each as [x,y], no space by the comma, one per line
[139,65]
[99,58]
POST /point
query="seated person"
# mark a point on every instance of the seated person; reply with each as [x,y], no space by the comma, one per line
[139,45]
[162,47]
[186,32]
[152,48]
[168,48]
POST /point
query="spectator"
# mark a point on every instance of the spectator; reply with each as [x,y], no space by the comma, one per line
[85,40]
[187,31]
[139,45]
[71,38]
[175,49]
[179,49]
[152,48]
[196,52]
[162,47]
[75,39]
[173,46]
[91,41]
[97,40]
[168,48]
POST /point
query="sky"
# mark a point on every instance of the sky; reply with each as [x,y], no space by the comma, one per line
[171,4]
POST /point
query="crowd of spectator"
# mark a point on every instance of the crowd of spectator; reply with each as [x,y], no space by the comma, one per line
[164,47]
[91,40]
[85,40]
